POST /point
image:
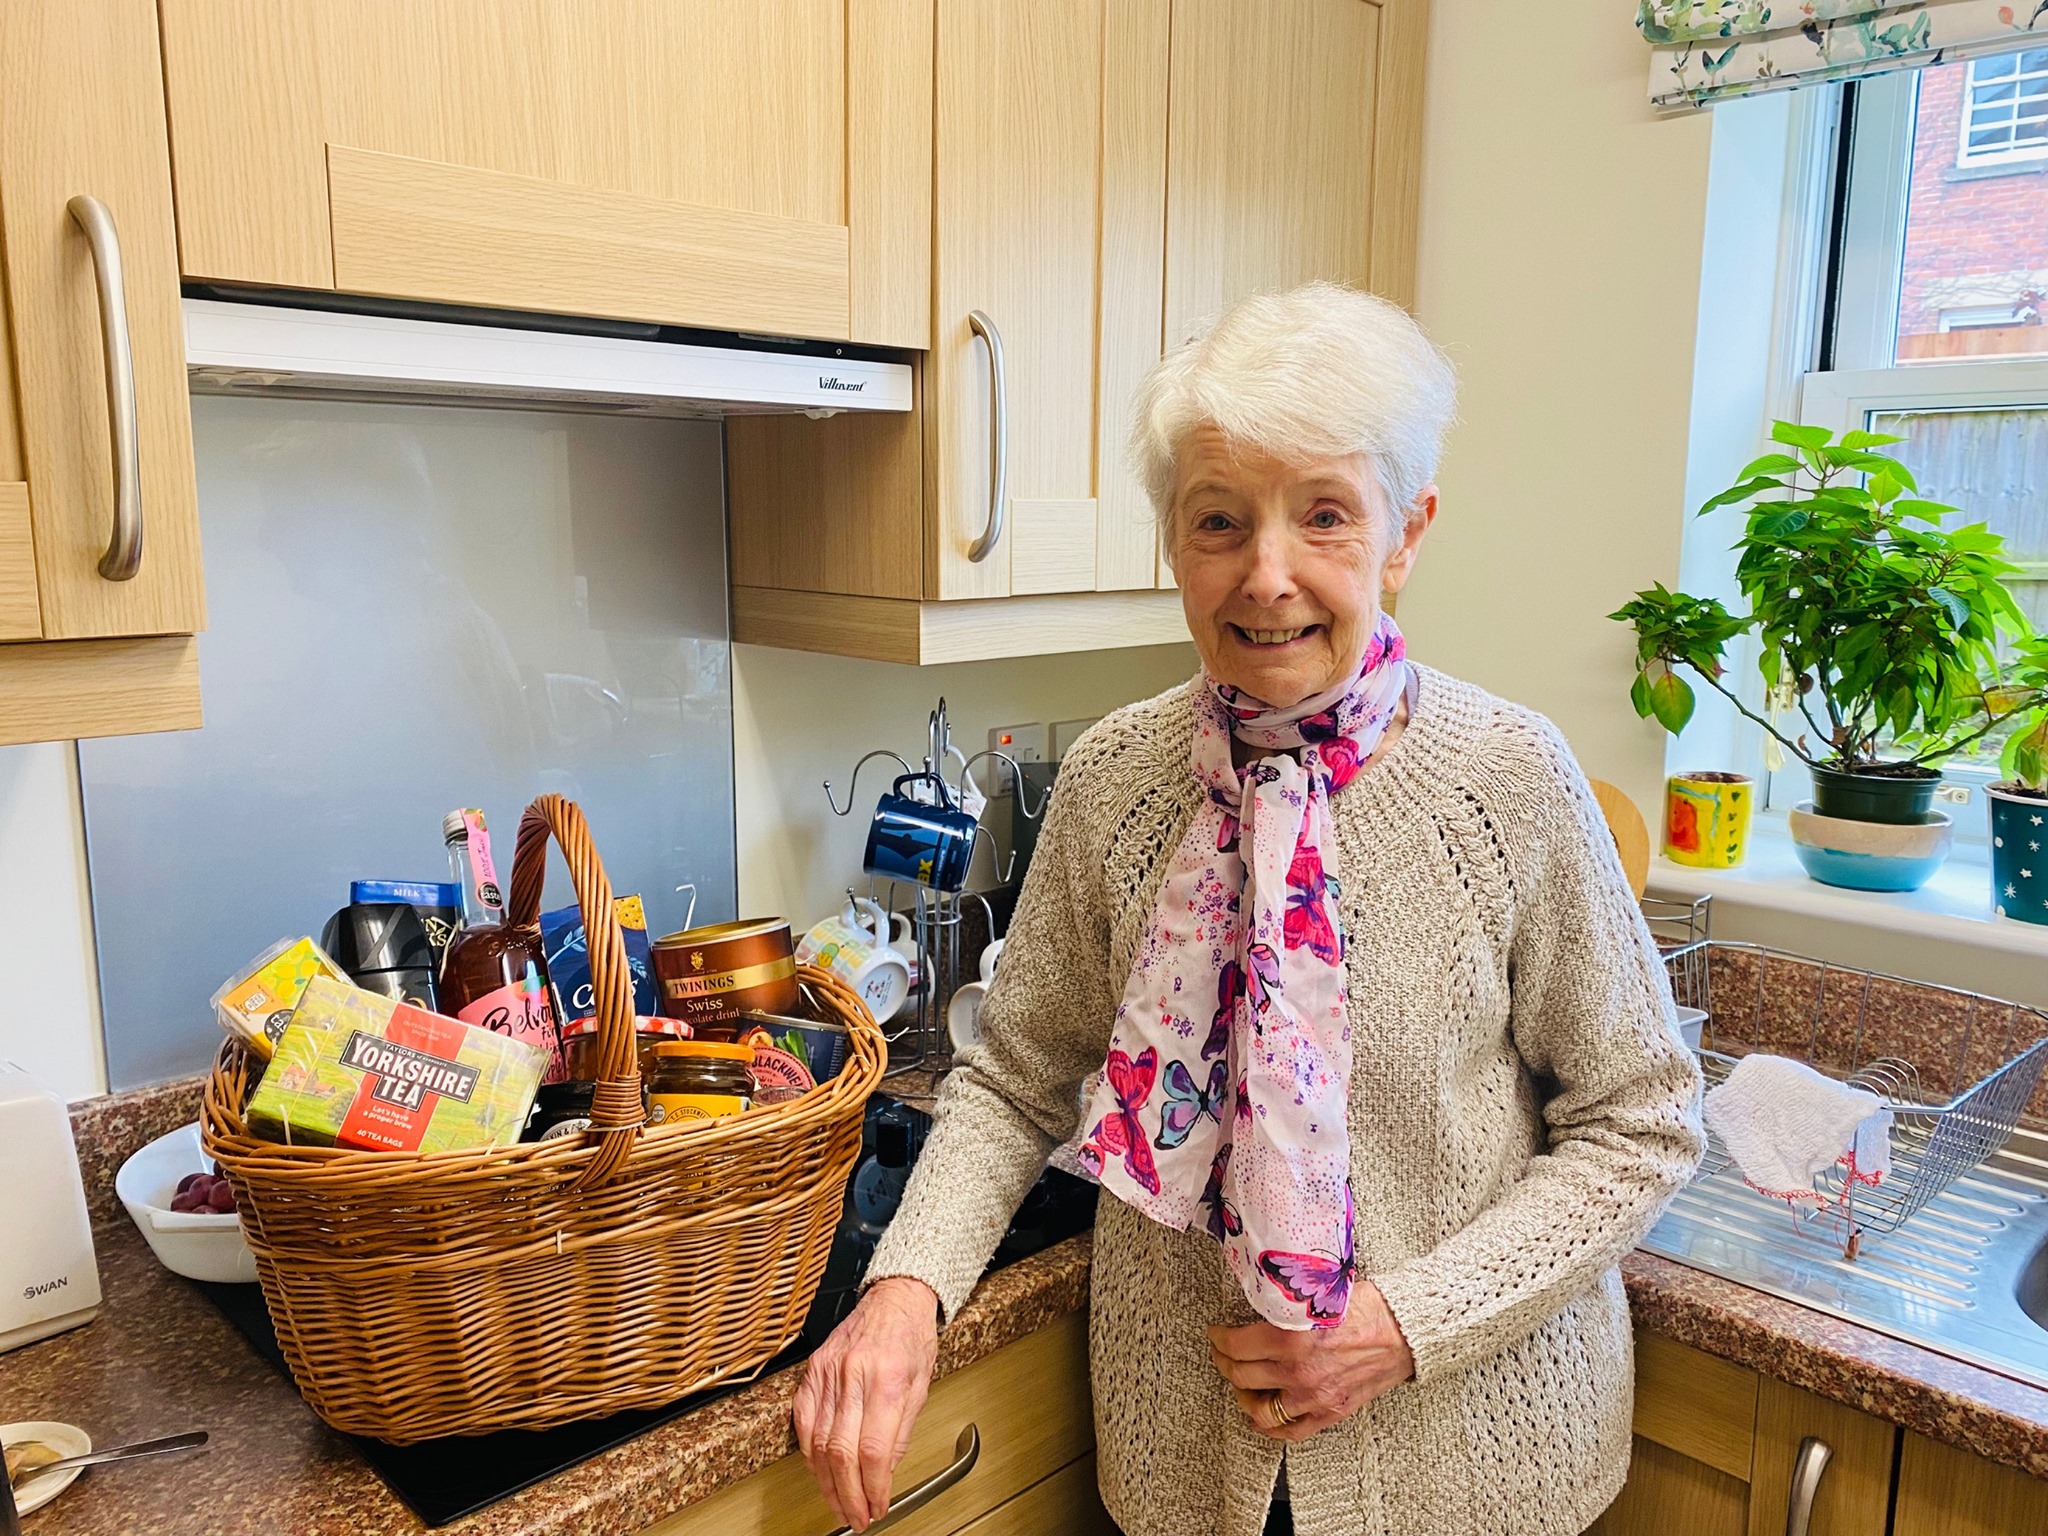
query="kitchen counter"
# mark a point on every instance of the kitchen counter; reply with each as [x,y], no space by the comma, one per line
[161,1359]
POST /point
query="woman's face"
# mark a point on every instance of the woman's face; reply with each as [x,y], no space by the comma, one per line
[1282,565]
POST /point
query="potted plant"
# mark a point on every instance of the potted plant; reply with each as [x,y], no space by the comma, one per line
[2019,803]
[1877,626]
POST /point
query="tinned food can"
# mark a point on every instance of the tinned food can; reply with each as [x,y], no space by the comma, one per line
[710,976]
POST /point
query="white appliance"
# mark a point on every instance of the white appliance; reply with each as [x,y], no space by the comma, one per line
[266,349]
[49,1280]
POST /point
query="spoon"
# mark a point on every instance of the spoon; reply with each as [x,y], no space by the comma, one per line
[161,1447]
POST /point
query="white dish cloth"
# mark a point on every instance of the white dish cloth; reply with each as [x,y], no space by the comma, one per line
[1784,1123]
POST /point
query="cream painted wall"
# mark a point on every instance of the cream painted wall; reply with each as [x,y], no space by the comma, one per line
[800,719]
[1559,264]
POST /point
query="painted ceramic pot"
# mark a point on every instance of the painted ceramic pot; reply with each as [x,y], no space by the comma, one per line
[1870,855]
[1706,819]
[2019,859]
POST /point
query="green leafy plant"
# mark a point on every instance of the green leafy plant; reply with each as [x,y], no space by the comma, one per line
[1875,620]
[2018,703]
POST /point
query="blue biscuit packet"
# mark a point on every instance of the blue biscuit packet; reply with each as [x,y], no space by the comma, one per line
[568,957]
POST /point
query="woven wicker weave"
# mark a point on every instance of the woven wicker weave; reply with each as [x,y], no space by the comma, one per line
[417,1295]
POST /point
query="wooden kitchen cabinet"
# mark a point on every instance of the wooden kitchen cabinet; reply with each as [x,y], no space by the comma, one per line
[87,653]
[1944,1491]
[761,167]
[1108,173]
[1717,1448]
[1035,1473]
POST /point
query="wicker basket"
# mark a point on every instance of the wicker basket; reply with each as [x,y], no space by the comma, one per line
[417,1295]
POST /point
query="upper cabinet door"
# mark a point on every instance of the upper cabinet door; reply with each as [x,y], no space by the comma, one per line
[1271,153]
[1050,149]
[762,166]
[104,484]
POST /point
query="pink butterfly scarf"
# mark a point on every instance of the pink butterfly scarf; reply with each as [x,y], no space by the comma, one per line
[1222,1103]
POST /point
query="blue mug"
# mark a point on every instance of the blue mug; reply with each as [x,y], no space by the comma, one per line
[920,842]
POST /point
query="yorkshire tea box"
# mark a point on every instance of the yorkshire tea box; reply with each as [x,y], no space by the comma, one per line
[357,1069]
[255,1004]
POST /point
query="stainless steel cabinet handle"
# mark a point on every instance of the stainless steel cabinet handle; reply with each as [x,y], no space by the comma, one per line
[124,550]
[998,437]
[966,1451]
[1807,1467]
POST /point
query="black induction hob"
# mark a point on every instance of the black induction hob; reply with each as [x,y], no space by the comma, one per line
[443,1480]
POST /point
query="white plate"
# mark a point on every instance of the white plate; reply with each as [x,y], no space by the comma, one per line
[65,1440]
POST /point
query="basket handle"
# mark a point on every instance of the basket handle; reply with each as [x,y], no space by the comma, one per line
[616,1114]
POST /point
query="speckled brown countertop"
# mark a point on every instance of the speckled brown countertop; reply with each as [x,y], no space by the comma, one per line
[160,1359]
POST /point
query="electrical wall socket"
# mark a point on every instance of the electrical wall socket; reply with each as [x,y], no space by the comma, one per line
[1022,743]
[1066,732]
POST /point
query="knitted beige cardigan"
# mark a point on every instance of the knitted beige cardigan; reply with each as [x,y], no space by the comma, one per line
[1521,1108]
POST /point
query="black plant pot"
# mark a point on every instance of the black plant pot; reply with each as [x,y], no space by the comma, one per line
[2019,865]
[1894,799]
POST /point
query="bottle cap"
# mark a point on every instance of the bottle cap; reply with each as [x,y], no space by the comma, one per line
[451,824]
[709,1050]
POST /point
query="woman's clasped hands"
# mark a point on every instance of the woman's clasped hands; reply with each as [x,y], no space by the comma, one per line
[1292,1382]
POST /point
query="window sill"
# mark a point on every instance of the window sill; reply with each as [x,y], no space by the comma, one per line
[1954,906]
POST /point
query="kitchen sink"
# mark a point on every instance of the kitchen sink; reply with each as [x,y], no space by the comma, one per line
[1966,1276]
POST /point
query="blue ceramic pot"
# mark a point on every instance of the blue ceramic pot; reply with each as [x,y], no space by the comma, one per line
[2019,862]
[1870,855]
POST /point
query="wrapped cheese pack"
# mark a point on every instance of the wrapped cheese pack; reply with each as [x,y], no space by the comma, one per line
[357,1069]
[255,1004]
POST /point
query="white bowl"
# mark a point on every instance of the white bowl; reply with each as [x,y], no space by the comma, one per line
[198,1245]
[66,1440]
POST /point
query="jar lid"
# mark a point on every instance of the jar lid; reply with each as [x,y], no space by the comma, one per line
[649,1024]
[712,1050]
[587,1025]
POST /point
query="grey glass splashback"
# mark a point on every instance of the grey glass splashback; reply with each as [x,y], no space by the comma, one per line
[412,608]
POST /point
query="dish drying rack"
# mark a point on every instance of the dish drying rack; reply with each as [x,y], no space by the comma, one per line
[919,1042]
[1934,1140]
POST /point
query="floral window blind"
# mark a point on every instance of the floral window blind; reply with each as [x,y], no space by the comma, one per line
[1707,50]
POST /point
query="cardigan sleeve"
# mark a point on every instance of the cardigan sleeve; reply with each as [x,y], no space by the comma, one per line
[1591,1016]
[1017,1093]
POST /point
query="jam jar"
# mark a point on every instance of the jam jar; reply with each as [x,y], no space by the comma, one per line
[699,1080]
[580,1047]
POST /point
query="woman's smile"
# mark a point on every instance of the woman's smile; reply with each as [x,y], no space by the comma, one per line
[1272,638]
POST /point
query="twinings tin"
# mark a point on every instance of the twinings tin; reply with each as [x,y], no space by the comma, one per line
[713,975]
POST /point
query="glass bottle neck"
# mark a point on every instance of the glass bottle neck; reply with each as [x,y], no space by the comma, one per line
[482,902]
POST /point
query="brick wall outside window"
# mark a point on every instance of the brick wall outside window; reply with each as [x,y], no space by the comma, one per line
[1972,239]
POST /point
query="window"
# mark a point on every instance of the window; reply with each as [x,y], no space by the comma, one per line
[2005,109]
[1911,285]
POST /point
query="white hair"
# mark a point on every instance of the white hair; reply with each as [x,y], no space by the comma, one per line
[1317,372]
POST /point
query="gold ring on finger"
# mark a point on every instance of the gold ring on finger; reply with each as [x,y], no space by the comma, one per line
[1282,1419]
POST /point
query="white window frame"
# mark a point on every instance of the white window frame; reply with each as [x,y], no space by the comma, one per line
[1970,158]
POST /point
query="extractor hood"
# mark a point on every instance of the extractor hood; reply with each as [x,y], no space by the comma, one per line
[269,349]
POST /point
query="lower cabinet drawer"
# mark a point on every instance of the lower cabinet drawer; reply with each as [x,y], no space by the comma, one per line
[1031,1404]
[1065,1503]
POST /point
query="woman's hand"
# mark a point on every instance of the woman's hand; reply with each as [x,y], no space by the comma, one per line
[1322,1375]
[861,1394]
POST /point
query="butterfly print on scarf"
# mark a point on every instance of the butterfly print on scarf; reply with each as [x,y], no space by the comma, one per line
[1262,975]
[1341,761]
[1229,990]
[1186,1102]
[1223,1220]
[1318,1281]
[1120,1133]
[1307,920]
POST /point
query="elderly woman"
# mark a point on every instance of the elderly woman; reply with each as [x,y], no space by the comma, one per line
[1372,1052]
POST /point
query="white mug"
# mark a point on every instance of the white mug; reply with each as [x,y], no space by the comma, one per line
[989,957]
[963,1014]
[847,947]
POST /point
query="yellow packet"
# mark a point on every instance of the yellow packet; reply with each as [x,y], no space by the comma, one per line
[256,1003]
